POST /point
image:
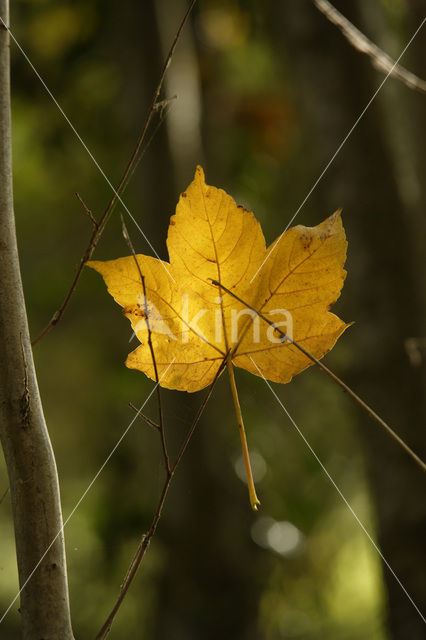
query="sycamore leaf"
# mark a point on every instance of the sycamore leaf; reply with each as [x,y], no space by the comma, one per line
[194,324]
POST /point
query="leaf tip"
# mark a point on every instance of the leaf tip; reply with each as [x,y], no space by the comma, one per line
[94,264]
[335,220]
[199,173]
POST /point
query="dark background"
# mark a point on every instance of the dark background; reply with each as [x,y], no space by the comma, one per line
[266,92]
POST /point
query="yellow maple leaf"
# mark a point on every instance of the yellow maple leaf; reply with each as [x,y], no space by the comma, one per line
[212,239]
[195,324]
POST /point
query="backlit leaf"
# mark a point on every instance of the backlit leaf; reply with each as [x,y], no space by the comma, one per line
[193,324]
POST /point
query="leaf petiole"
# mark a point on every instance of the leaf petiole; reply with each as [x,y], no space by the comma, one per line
[254,500]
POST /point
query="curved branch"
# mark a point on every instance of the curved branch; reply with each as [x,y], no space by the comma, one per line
[379,59]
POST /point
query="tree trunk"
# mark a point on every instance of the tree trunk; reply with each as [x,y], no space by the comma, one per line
[29,457]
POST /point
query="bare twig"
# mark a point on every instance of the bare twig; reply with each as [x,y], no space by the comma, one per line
[151,348]
[87,210]
[162,105]
[144,417]
[146,538]
[333,376]
[379,59]
[97,231]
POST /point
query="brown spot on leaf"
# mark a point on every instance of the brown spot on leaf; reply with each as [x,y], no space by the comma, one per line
[306,241]
[136,311]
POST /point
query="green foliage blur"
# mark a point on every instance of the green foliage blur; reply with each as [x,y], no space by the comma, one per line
[300,568]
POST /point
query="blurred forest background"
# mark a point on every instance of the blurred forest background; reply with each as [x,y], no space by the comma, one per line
[266,92]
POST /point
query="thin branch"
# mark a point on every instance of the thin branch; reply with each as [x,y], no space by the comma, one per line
[379,59]
[97,231]
[146,538]
[144,417]
[87,210]
[151,348]
[333,376]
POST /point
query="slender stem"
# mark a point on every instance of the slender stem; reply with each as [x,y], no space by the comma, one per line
[151,423]
[87,211]
[254,500]
[336,379]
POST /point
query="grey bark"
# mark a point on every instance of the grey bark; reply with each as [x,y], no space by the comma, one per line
[34,487]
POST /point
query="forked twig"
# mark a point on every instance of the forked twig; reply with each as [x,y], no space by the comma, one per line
[100,225]
[146,538]
[379,59]
[333,376]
